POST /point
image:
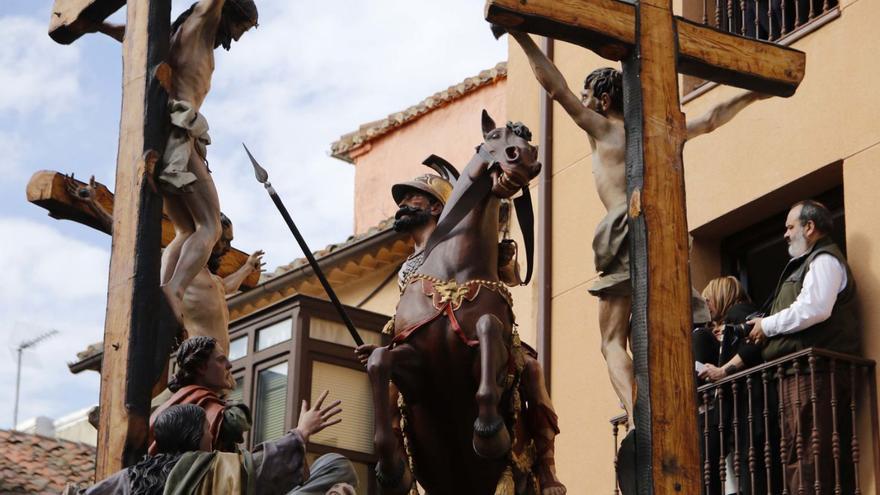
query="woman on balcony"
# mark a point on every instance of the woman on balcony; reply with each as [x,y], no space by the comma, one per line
[720,350]
[720,345]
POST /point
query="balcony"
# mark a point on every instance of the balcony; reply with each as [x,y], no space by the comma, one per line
[778,21]
[797,425]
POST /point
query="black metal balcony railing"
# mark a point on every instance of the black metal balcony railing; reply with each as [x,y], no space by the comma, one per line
[792,426]
[769,20]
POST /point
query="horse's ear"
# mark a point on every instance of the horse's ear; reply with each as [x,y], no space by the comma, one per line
[488,123]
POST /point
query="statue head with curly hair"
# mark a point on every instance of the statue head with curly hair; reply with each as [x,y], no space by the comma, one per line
[200,361]
[603,91]
[179,429]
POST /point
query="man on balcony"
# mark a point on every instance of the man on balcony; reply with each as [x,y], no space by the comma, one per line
[813,306]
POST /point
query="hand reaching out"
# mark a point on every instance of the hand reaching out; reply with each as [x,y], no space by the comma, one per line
[255,261]
[314,419]
[84,193]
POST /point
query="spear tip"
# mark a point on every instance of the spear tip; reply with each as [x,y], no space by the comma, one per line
[259,172]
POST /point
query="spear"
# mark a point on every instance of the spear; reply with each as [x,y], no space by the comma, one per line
[263,178]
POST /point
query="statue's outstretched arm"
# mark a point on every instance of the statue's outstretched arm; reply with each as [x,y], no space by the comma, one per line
[722,113]
[552,80]
[254,262]
[86,194]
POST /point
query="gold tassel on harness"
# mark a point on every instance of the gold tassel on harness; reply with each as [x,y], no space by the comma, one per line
[505,484]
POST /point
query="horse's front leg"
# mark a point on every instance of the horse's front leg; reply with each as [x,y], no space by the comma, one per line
[491,438]
[392,471]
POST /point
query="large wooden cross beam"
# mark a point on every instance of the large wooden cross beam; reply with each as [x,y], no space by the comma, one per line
[135,341]
[654,45]
[74,18]
[48,190]
[608,27]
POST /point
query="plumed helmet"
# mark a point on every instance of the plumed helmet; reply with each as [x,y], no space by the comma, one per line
[438,187]
[433,185]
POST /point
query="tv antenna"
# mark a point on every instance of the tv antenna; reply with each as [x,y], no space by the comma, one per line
[27,344]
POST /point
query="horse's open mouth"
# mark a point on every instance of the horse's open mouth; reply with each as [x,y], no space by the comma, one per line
[512,153]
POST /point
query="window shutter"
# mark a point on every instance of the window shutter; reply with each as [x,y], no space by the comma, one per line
[271,403]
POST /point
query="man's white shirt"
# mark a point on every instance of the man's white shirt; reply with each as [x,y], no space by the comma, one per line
[823,282]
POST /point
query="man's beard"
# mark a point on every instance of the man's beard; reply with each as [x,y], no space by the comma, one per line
[797,245]
[407,218]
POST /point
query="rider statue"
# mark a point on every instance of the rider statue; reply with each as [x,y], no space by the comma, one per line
[421,202]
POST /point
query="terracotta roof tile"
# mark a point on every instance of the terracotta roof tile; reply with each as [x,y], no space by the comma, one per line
[36,464]
[97,349]
[342,147]
[383,226]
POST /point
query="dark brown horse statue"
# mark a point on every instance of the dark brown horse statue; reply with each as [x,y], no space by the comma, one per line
[455,357]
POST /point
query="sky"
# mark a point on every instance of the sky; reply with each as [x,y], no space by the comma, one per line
[311,72]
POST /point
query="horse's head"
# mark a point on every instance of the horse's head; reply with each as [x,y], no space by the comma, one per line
[509,148]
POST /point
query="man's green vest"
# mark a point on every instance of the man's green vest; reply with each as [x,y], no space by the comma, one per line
[840,332]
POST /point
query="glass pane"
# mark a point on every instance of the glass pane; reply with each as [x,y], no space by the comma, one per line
[238,348]
[237,393]
[275,333]
[353,388]
[271,403]
[337,333]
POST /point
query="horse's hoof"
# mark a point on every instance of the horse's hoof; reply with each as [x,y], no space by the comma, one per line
[492,440]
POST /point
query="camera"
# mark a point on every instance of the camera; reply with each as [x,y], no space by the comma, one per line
[741,330]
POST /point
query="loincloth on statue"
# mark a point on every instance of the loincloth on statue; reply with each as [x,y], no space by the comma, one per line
[447,297]
[189,133]
[611,254]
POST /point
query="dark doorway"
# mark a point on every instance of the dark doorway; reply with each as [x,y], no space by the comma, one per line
[757,254]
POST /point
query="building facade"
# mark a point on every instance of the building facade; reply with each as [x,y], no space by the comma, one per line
[287,342]
[740,181]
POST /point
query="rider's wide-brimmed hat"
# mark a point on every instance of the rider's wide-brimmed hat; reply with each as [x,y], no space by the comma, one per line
[433,185]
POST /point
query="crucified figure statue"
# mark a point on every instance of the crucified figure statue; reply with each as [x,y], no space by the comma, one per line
[599,112]
[190,198]
[205,312]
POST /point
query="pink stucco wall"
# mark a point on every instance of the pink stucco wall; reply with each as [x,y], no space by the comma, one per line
[451,132]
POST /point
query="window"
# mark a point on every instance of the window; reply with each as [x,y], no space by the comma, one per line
[275,333]
[337,333]
[271,403]
[238,348]
[353,388]
[758,254]
[237,394]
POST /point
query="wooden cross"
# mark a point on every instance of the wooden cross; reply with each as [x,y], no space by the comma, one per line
[135,341]
[48,190]
[654,45]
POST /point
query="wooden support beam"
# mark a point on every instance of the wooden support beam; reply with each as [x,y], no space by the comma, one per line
[668,452]
[48,190]
[608,28]
[135,341]
[71,19]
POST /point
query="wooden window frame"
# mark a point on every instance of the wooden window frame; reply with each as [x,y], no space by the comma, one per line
[300,353]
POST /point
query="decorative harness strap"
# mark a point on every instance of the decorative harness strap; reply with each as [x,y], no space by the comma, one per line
[447,297]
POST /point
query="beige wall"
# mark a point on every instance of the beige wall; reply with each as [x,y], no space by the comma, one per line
[832,117]
[450,132]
